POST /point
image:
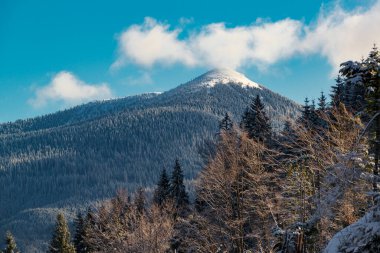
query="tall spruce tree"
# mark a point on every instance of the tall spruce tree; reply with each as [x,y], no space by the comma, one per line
[177,188]
[358,102]
[61,242]
[322,102]
[364,76]
[306,112]
[162,192]
[337,92]
[10,244]
[371,80]
[80,233]
[314,118]
[226,123]
[256,122]
[354,90]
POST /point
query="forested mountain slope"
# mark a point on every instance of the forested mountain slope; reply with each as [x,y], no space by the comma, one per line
[77,156]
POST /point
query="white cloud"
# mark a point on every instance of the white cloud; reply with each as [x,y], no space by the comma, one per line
[150,43]
[340,36]
[337,35]
[258,44]
[67,88]
[214,45]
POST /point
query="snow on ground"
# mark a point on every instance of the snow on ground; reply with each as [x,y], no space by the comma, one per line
[359,236]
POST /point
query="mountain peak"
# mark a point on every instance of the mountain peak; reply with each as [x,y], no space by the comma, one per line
[224,76]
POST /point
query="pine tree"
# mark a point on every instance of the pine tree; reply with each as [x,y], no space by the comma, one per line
[226,123]
[358,102]
[353,90]
[139,200]
[310,117]
[177,188]
[256,122]
[371,78]
[10,243]
[314,118]
[79,237]
[306,112]
[162,191]
[60,242]
[322,102]
[362,91]
[312,106]
[337,93]
[246,120]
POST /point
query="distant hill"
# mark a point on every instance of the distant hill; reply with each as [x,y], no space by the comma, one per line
[71,158]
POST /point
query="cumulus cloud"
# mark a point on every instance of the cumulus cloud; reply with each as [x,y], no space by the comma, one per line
[152,42]
[340,35]
[337,35]
[219,46]
[68,89]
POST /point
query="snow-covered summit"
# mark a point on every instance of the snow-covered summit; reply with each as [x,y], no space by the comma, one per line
[224,76]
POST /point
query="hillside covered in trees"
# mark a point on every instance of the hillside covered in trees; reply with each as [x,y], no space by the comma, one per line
[310,187]
[72,159]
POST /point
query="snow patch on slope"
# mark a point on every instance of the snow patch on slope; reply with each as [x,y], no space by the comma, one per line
[225,76]
[359,236]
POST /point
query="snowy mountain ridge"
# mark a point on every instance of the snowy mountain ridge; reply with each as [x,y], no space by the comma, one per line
[223,76]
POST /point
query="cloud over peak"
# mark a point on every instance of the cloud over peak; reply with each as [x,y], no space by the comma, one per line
[152,42]
[66,88]
[337,35]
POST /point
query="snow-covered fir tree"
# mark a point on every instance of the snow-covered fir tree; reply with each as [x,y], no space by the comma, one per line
[370,72]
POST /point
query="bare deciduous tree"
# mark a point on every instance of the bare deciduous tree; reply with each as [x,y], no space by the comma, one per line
[119,226]
[236,190]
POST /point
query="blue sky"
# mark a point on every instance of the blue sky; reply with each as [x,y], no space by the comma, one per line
[56,54]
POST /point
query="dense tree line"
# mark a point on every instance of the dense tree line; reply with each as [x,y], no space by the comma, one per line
[291,194]
[75,157]
[249,197]
[121,225]
[262,191]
